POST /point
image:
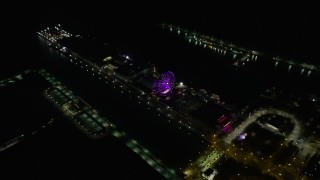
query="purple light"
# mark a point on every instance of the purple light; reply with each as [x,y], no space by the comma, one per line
[242,136]
[165,83]
[227,128]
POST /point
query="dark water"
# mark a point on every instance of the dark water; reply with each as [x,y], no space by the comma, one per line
[19,116]
[146,41]
[62,151]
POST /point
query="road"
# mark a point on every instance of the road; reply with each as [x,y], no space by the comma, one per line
[295,134]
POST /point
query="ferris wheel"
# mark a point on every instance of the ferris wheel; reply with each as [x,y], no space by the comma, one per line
[165,83]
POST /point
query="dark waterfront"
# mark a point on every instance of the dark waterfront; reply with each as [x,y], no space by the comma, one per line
[62,151]
[77,156]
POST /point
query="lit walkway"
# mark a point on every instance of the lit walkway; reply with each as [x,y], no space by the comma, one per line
[146,155]
[222,47]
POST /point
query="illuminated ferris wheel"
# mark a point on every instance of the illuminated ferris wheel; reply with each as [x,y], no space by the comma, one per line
[165,83]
